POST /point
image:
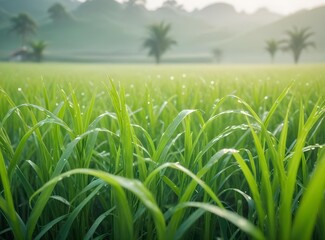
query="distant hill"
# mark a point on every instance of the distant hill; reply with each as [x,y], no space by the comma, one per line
[222,15]
[106,30]
[36,8]
[250,46]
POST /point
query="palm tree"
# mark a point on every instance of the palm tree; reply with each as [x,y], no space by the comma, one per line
[38,49]
[23,25]
[158,41]
[297,41]
[272,46]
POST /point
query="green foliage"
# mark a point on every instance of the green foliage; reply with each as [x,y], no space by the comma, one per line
[158,41]
[186,152]
[38,48]
[23,25]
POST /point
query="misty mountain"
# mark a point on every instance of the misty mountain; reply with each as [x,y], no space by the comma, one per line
[108,30]
[222,15]
[250,46]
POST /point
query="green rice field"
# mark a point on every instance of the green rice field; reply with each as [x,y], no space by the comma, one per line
[162,152]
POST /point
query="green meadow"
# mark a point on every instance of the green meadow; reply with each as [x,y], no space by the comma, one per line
[162,152]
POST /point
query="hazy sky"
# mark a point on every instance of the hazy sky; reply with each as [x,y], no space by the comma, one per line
[280,6]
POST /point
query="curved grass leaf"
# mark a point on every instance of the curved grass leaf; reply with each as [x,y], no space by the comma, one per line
[170,131]
[48,226]
[7,204]
[97,222]
[45,195]
[242,223]
[122,206]
[311,202]
[64,232]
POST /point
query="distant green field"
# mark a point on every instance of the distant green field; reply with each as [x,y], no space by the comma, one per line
[162,152]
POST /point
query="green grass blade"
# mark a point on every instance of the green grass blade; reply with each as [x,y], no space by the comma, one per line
[266,186]
[286,199]
[170,131]
[253,187]
[48,226]
[242,223]
[45,195]
[187,224]
[311,202]
[126,136]
[9,207]
[134,186]
[97,222]
[64,232]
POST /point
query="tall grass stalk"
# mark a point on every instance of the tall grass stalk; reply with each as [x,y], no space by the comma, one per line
[161,153]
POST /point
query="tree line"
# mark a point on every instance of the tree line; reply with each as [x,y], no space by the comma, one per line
[158,40]
[297,40]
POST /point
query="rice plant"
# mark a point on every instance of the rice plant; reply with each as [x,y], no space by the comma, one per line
[161,152]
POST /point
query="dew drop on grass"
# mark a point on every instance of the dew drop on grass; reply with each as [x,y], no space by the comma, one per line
[172,78]
[212,82]
[19,89]
[243,112]
[230,150]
